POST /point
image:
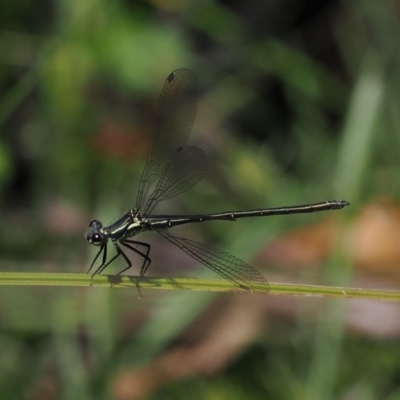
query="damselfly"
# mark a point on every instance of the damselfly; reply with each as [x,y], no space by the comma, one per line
[172,168]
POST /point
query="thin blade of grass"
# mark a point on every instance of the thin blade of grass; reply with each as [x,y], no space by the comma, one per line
[210,285]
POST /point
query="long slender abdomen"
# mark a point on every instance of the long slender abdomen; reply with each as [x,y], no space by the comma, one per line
[169,221]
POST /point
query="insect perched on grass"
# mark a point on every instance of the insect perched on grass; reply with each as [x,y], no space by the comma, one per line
[171,169]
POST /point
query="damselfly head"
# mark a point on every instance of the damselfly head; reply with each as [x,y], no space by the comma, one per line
[94,234]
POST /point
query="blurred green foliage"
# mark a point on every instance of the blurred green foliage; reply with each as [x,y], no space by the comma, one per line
[299,102]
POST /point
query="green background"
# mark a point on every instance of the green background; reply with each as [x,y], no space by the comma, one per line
[299,102]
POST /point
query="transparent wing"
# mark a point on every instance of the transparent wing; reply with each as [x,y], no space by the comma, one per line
[184,170]
[228,266]
[176,112]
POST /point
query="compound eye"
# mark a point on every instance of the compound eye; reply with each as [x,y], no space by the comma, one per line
[97,238]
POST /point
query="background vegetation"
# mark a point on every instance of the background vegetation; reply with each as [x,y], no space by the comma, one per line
[299,103]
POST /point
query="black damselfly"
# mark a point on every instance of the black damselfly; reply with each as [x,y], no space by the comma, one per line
[171,169]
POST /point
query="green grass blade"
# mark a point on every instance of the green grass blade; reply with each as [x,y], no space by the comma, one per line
[211,285]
